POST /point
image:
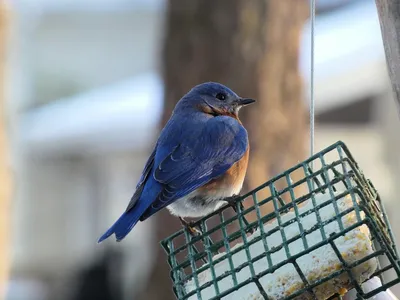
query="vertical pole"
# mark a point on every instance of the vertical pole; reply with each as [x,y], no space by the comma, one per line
[389,18]
[5,173]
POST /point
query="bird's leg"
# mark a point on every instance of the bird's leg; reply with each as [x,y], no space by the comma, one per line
[232,202]
[189,226]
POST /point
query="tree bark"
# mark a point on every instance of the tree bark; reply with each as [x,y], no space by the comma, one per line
[5,173]
[253,48]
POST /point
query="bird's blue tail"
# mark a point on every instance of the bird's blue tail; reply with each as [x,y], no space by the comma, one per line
[123,225]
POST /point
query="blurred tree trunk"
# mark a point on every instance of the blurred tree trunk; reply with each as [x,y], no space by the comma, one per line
[5,174]
[253,48]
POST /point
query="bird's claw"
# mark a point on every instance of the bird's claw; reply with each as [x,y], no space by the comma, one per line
[232,202]
[193,231]
[189,226]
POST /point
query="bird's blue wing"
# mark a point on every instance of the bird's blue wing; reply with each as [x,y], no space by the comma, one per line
[135,209]
[140,186]
[196,160]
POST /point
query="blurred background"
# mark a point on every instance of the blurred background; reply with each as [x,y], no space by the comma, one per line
[87,85]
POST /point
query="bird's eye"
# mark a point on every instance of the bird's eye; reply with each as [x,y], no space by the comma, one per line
[220,96]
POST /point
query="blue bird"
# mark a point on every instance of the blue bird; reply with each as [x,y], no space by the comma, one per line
[198,163]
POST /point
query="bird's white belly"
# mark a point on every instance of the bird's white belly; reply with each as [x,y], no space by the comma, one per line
[187,207]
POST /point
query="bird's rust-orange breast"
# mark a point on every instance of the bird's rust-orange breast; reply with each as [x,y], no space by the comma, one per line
[231,180]
[235,175]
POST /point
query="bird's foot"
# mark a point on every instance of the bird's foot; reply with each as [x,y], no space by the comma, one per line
[189,226]
[232,202]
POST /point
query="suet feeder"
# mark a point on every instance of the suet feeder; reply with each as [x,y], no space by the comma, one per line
[328,233]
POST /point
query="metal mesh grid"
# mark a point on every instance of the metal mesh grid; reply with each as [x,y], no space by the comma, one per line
[332,172]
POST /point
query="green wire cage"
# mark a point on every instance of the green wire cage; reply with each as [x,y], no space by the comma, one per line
[327,233]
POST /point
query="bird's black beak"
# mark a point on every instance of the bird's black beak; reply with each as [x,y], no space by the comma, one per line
[245,101]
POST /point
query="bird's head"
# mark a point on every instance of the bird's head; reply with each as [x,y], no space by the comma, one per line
[215,99]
